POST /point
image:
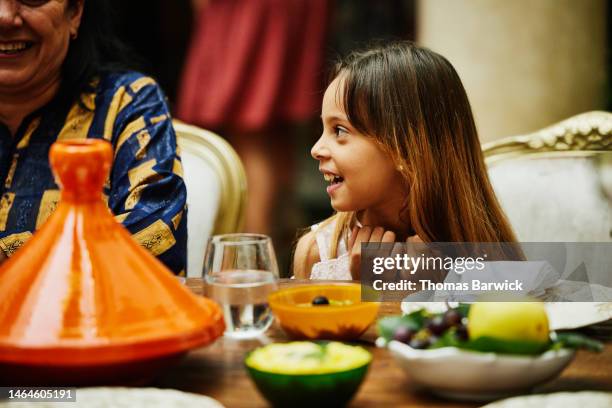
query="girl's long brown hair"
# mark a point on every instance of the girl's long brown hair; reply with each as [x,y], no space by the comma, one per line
[411,101]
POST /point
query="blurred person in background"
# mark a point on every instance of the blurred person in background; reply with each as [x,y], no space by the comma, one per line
[63,76]
[253,69]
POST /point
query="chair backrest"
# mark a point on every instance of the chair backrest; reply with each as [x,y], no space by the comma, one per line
[216,189]
[555,185]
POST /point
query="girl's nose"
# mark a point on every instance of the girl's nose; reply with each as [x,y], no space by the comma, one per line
[9,13]
[319,151]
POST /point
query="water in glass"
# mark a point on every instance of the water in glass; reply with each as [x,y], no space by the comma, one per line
[240,272]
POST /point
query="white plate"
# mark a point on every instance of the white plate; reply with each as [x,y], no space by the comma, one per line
[120,397]
[572,315]
[561,315]
[467,375]
[583,399]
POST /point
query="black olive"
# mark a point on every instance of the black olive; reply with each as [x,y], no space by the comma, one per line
[320,300]
[437,325]
[452,317]
[418,343]
[462,333]
[403,334]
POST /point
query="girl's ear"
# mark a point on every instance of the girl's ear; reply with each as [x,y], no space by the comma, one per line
[75,12]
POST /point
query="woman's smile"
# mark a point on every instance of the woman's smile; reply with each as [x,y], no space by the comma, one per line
[34,42]
[12,49]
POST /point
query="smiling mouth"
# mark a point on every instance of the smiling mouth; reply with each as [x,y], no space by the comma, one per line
[11,48]
[332,179]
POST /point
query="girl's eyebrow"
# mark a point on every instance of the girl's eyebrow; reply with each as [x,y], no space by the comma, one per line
[334,117]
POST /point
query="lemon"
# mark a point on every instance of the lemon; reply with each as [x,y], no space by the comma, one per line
[523,321]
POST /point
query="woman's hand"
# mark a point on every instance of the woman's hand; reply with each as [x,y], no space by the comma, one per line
[365,234]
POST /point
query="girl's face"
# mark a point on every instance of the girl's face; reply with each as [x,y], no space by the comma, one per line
[360,174]
[34,37]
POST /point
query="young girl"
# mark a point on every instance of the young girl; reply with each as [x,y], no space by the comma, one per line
[402,157]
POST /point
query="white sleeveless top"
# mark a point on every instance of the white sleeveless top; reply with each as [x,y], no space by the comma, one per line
[335,268]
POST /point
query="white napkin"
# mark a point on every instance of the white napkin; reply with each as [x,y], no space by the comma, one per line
[535,276]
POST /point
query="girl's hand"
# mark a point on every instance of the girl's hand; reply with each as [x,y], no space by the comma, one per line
[423,251]
[413,239]
[411,251]
[400,249]
[365,234]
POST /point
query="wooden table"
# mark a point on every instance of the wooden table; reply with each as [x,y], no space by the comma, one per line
[217,371]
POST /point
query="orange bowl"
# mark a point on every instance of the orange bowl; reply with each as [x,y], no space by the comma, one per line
[345,322]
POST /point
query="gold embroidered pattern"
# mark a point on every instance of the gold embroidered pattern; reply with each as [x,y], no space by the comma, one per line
[89,100]
[157,238]
[11,173]
[139,178]
[25,140]
[133,198]
[121,217]
[141,173]
[177,167]
[121,99]
[156,119]
[48,204]
[143,140]
[13,242]
[6,202]
[78,121]
[130,129]
[176,220]
[140,83]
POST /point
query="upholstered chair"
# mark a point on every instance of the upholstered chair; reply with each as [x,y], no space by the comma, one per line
[556,184]
[216,189]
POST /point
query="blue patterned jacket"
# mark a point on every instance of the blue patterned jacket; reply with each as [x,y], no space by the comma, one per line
[145,189]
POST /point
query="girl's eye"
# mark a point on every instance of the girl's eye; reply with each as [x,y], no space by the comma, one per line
[340,131]
[33,3]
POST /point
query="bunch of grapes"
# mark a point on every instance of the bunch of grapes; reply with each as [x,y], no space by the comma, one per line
[433,328]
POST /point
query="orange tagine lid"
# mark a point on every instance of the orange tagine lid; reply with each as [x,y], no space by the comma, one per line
[83,294]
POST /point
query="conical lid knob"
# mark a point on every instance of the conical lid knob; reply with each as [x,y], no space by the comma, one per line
[81,167]
[82,291]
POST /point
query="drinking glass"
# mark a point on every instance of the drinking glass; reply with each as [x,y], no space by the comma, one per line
[240,270]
